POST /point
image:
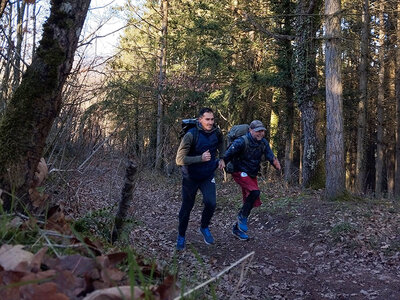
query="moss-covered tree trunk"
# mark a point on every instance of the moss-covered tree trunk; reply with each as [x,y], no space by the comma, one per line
[37,101]
[306,87]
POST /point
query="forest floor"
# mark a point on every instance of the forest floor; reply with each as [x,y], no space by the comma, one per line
[304,247]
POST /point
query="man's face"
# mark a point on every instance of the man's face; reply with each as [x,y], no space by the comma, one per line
[258,135]
[207,121]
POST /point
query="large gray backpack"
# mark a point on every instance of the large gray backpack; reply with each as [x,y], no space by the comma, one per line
[235,132]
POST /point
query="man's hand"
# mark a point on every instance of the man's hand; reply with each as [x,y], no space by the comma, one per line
[206,156]
[276,164]
[221,164]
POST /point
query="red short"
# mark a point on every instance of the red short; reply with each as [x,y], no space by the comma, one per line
[247,184]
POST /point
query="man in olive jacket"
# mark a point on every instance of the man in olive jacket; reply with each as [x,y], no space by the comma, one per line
[197,154]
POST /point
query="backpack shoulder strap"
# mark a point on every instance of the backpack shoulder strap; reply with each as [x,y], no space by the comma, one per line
[195,132]
[246,141]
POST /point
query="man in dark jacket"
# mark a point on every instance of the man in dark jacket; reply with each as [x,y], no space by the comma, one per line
[246,153]
[197,154]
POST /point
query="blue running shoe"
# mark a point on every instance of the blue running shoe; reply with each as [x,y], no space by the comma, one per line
[208,238]
[242,223]
[180,243]
[239,234]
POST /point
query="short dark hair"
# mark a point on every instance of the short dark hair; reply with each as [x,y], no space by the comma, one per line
[205,110]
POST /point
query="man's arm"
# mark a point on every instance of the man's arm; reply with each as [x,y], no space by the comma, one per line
[182,158]
[234,149]
[269,155]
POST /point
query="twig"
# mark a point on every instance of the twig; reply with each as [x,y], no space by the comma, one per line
[65,246]
[217,276]
[242,275]
[55,233]
[51,245]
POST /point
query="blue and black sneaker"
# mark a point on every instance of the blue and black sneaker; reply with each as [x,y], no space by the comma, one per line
[239,234]
[242,223]
[180,243]
[208,238]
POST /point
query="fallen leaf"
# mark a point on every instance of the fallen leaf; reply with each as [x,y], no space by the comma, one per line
[14,258]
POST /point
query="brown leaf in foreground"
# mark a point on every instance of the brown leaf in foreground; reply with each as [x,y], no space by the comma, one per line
[168,289]
[56,221]
[48,290]
[14,258]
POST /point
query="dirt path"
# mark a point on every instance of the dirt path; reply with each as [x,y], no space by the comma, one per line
[304,247]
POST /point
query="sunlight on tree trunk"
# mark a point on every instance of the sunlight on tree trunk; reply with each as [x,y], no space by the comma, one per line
[161,81]
[3,5]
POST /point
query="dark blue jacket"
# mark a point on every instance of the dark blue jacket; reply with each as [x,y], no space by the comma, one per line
[248,159]
[189,155]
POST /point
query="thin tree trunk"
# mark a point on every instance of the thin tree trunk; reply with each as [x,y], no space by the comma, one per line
[37,101]
[3,5]
[335,164]
[380,104]
[161,82]
[5,86]
[18,48]
[363,104]
[397,167]
[34,29]
[289,139]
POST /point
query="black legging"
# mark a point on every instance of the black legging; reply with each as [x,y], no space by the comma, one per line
[248,204]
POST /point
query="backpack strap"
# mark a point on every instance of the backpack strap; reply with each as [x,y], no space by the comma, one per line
[246,142]
[195,133]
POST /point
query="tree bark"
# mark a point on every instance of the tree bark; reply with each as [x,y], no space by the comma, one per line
[7,69]
[363,104]
[18,48]
[161,82]
[379,106]
[37,101]
[335,167]
[3,5]
[397,166]
[306,86]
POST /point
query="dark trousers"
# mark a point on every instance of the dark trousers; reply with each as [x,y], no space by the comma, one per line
[189,191]
[248,204]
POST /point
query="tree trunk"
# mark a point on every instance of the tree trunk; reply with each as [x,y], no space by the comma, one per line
[3,5]
[363,104]
[37,101]
[7,69]
[397,176]
[18,48]
[34,29]
[161,82]
[379,106]
[306,86]
[335,168]
[289,138]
